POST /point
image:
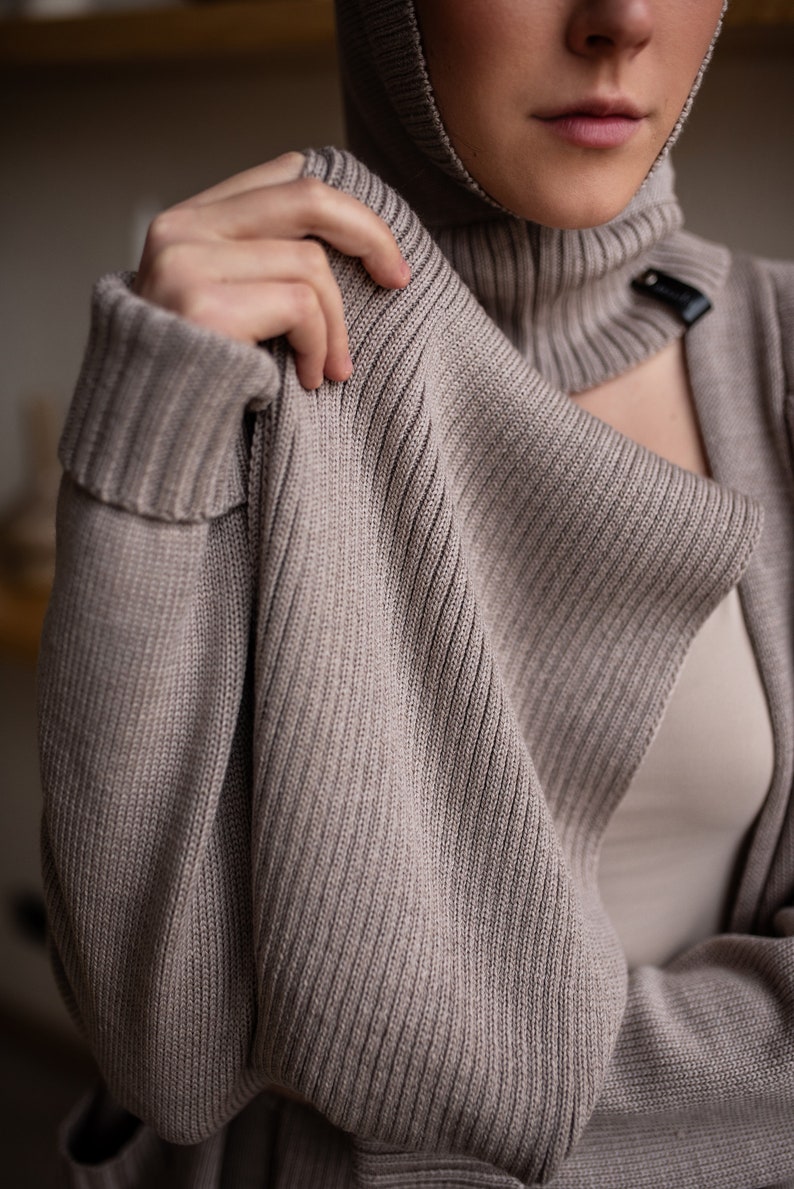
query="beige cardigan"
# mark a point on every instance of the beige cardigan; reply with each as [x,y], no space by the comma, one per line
[309,820]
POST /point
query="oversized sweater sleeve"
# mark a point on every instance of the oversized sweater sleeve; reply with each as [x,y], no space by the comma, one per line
[145,724]
[702,1078]
[699,1091]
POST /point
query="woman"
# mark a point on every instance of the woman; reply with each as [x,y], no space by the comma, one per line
[352,701]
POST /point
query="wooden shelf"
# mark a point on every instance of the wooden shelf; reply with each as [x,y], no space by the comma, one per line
[222,31]
[21,619]
[187,33]
[760,12]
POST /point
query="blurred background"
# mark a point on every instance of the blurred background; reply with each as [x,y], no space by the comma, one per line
[111,111]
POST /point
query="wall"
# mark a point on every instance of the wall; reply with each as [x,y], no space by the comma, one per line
[734,160]
[89,156]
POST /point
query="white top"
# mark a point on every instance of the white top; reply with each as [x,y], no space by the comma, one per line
[670,849]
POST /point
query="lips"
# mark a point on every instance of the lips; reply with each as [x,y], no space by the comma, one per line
[597,107]
[596,123]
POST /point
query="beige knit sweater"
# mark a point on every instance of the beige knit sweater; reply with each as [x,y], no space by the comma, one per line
[336,701]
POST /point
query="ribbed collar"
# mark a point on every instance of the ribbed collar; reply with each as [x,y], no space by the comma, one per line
[563,298]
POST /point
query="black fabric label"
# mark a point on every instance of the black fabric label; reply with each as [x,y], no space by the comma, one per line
[689,302]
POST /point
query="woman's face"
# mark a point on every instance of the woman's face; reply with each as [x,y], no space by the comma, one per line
[559,108]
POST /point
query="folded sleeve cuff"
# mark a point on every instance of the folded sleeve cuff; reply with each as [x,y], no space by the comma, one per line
[155,424]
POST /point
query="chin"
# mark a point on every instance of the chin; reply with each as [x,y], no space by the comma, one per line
[572,202]
[577,209]
[580,218]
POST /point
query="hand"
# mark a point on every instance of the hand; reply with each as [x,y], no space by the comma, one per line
[235,259]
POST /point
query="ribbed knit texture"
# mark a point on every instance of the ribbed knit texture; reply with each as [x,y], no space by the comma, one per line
[564,298]
[362,864]
[339,690]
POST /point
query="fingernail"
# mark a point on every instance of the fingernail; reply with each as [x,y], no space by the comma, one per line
[405,272]
[342,372]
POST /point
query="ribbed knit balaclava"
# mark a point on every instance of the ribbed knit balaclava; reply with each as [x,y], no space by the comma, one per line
[559,295]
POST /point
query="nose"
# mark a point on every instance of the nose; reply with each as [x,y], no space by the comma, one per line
[610,28]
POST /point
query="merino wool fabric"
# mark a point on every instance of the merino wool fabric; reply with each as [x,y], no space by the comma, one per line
[337,696]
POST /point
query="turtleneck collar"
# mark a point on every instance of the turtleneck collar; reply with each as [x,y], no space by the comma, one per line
[563,298]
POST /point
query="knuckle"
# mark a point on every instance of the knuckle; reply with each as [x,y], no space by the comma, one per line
[315,260]
[164,229]
[305,302]
[384,234]
[292,162]
[172,267]
[315,193]
[199,305]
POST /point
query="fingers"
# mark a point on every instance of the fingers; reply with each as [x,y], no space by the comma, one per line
[243,258]
[307,207]
[286,168]
[274,197]
[183,268]
[252,310]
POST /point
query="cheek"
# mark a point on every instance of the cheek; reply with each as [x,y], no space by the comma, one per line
[475,70]
[682,45]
